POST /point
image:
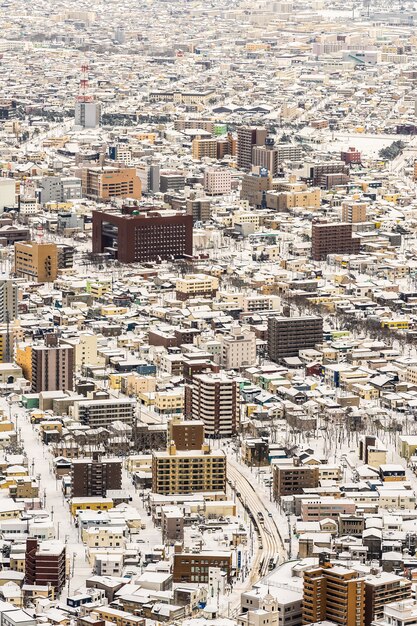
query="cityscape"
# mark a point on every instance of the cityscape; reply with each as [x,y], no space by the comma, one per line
[208,313]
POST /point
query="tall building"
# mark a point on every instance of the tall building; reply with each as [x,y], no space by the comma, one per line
[214,399]
[120,34]
[247,138]
[94,477]
[354,212]
[37,262]
[270,156]
[193,285]
[204,148]
[238,349]
[8,301]
[87,114]
[217,181]
[288,335]
[333,593]
[289,480]
[188,471]
[45,564]
[332,238]
[199,209]
[58,189]
[191,567]
[382,588]
[52,366]
[104,183]
[186,434]
[151,236]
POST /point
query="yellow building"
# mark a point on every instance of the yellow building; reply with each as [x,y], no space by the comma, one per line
[36,262]
[85,350]
[169,401]
[146,137]
[204,148]
[98,288]
[110,310]
[103,183]
[115,381]
[407,445]
[196,284]
[90,504]
[188,471]
[99,537]
[115,616]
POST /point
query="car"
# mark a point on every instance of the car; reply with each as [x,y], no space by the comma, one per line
[270,514]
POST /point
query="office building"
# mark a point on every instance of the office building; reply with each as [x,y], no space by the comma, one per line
[199,209]
[102,412]
[149,175]
[193,285]
[190,567]
[289,480]
[188,471]
[8,301]
[316,172]
[104,183]
[45,564]
[120,35]
[382,588]
[37,262]
[270,156]
[217,181]
[186,434]
[95,476]
[288,335]
[87,114]
[238,348]
[151,236]
[351,156]
[58,189]
[52,366]
[255,187]
[214,399]
[171,181]
[333,593]
[354,212]
[332,238]
[247,138]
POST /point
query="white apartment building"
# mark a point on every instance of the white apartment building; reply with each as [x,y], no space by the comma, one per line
[214,399]
[398,614]
[97,413]
[238,349]
[217,181]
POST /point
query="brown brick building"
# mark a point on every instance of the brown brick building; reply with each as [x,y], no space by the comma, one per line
[45,563]
[292,479]
[187,434]
[52,366]
[141,237]
[94,477]
[194,568]
[333,238]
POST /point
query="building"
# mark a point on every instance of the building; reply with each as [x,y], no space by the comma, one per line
[398,614]
[247,138]
[271,156]
[332,238]
[87,114]
[289,480]
[214,399]
[188,471]
[284,606]
[37,262]
[190,567]
[104,183]
[193,285]
[333,593]
[52,366]
[238,349]
[351,155]
[186,434]
[7,193]
[316,172]
[58,189]
[199,209]
[172,524]
[102,412]
[204,148]
[288,335]
[94,476]
[143,237]
[8,301]
[217,181]
[354,212]
[255,187]
[45,564]
[381,589]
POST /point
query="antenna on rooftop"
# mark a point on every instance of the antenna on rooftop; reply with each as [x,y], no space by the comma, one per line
[83,85]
